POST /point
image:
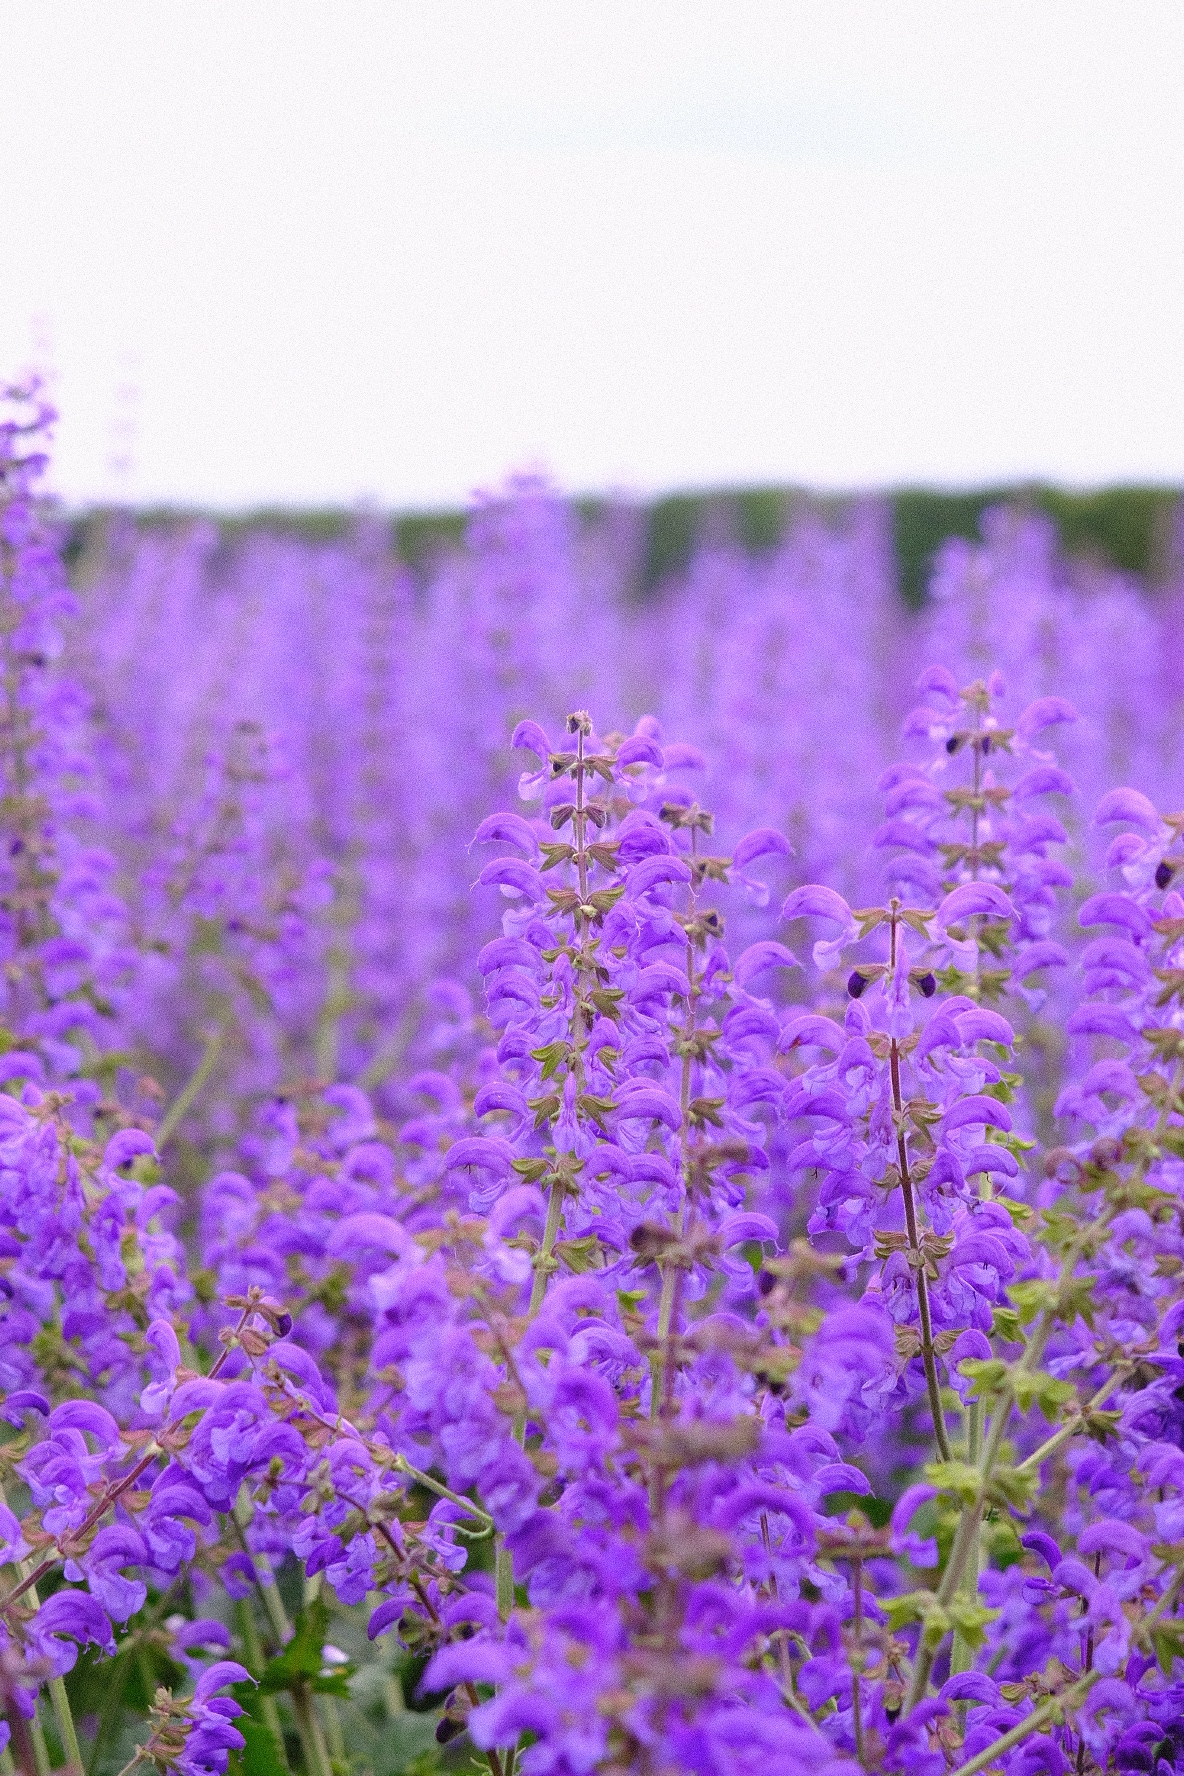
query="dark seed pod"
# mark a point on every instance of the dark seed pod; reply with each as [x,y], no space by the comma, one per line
[928,985]
[1163,874]
[953,743]
[855,984]
[986,746]
[766,1282]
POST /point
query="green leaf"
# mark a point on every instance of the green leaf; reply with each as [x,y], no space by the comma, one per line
[1042,1390]
[1167,1637]
[970,1618]
[1031,1298]
[987,1373]
[580,1254]
[551,1057]
[955,1477]
[302,1660]
[1008,1486]
[911,1606]
[260,1756]
[1005,1324]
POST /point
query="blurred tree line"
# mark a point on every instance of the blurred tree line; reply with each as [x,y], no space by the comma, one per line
[1128,528]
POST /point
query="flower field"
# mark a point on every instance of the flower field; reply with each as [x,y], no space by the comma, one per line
[591,1175]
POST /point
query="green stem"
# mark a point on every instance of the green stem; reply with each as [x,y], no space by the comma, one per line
[1051,1444]
[189,1092]
[660,1360]
[327,1705]
[928,1355]
[133,1761]
[503,1565]
[112,1698]
[65,1719]
[441,1491]
[312,1739]
[966,1537]
[338,994]
[40,1749]
[1031,1723]
[256,1660]
[382,1064]
[309,1727]
[962,1655]
[504,1580]
[542,1262]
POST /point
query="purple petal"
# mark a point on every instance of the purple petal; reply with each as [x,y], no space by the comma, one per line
[640,750]
[128,1144]
[1115,909]
[368,1232]
[529,735]
[1044,780]
[85,1415]
[816,902]
[222,1672]
[1128,804]
[734,1230]
[516,877]
[1043,713]
[974,898]
[508,829]
[759,956]
[764,842]
[973,1110]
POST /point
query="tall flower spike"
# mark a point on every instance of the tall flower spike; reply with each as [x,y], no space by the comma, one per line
[987,829]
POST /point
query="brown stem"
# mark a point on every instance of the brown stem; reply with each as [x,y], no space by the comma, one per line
[928,1355]
[22,1742]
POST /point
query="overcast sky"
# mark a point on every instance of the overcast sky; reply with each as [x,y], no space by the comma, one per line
[278,251]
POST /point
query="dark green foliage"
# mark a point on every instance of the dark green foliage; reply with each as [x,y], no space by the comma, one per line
[671,535]
[422,536]
[878,1511]
[760,517]
[1128,527]
[1123,527]
[921,522]
[302,1660]
[260,1756]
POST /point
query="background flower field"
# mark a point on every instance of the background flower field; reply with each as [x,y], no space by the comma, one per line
[590,1150]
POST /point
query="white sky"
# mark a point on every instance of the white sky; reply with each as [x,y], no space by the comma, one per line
[283,251]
